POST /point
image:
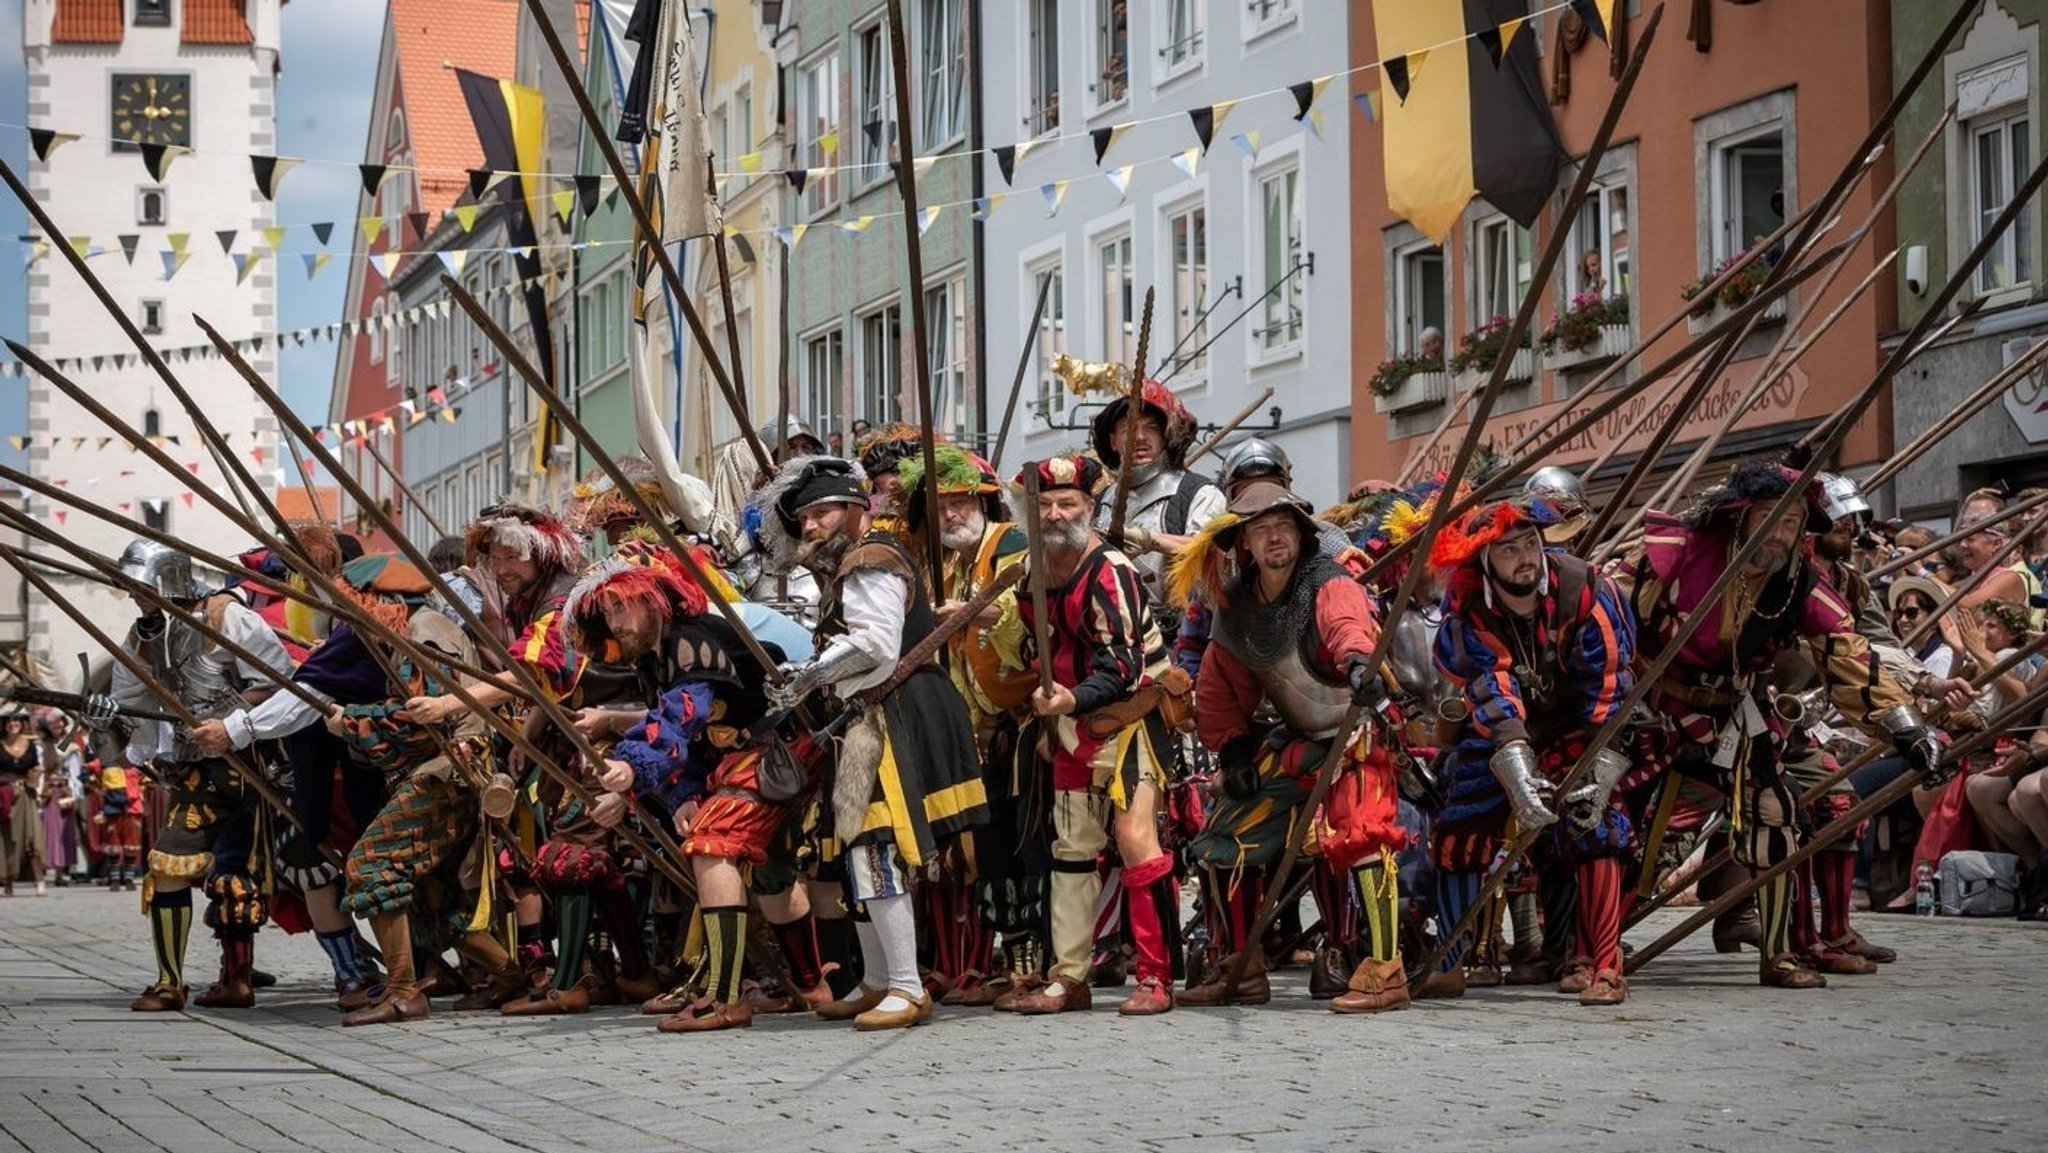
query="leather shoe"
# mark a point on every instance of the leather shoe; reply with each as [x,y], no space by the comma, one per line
[674,1001]
[1152,997]
[1061,996]
[1442,984]
[847,1009]
[351,993]
[1375,987]
[1328,976]
[876,1019]
[1607,987]
[1785,972]
[502,988]
[708,1016]
[1482,976]
[551,1003]
[1527,973]
[1254,988]
[971,991]
[1578,974]
[389,1010]
[1855,944]
[233,994]
[1020,987]
[258,979]
[159,998]
[1822,959]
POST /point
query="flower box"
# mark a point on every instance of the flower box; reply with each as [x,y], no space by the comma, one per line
[1521,367]
[1418,390]
[1612,342]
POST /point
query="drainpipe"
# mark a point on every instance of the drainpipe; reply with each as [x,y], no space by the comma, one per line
[978,250]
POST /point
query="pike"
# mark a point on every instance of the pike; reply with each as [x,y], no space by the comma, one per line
[2028,705]
[1210,445]
[913,245]
[1969,530]
[1132,408]
[1990,568]
[1969,406]
[76,702]
[522,675]
[995,458]
[1034,543]
[411,498]
[1357,716]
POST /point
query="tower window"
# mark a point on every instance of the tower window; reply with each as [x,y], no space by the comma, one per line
[149,206]
[152,13]
[153,317]
[152,423]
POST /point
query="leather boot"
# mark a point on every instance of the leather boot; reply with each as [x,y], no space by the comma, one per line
[1331,973]
[402,1000]
[1375,987]
[504,979]
[708,1016]
[1736,928]
[234,989]
[1785,972]
[1606,987]
[1254,988]
[1442,985]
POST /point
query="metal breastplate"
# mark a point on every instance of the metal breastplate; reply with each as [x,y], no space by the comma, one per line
[1146,510]
[1307,703]
[202,678]
[1410,657]
[1274,642]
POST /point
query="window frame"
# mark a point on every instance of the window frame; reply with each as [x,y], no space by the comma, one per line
[153,14]
[1185,316]
[885,355]
[1041,117]
[1487,234]
[1263,18]
[1742,123]
[1726,204]
[1166,68]
[150,317]
[163,203]
[821,193]
[1052,339]
[945,310]
[2009,124]
[942,83]
[1616,264]
[1121,233]
[875,159]
[828,417]
[1101,24]
[1407,341]
[1259,350]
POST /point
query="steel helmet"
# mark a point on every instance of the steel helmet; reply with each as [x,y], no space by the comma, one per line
[1553,481]
[1255,457]
[162,568]
[1839,497]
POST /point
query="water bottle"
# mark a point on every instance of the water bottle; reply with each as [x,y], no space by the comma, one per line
[1923,890]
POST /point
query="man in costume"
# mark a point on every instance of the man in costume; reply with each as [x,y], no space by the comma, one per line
[1006,890]
[1722,728]
[1101,725]
[905,781]
[1293,632]
[206,792]
[1167,503]
[1540,644]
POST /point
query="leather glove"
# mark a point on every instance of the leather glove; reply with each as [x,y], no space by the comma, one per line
[99,710]
[1367,692]
[1240,759]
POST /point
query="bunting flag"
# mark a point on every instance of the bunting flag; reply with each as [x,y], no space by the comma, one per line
[829,144]
[798,177]
[1205,124]
[1006,162]
[1368,105]
[173,261]
[270,172]
[465,216]
[926,217]
[1248,143]
[386,263]
[373,178]
[857,225]
[1315,122]
[791,235]
[46,141]
[479,181]
[315,261]
[418,220]
[157,159]
[1121,177]
[1467,128]
[372,227]
[1054,192]
[750,164]
[1188,160]
[453,259]
[274,238]
[37,249]
[81,246]
[565,205]
[587,188]
[226,236]
[1497,40]
[1307,93]
[245,263]
[129,241]
[1597,15]
[1106,138]
[322,231]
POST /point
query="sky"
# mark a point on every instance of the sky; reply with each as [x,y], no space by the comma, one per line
[323,103]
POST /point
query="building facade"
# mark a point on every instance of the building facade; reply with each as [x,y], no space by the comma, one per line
[199,75]
[1992,77]
[1257,302]
[1722,138]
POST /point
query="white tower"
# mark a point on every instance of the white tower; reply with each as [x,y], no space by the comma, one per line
[192,74]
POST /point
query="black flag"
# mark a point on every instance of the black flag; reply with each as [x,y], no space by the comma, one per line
[322,231]
[586,192]
[479,179]
[227,239]
[1205,123]
[1304,96]
[373,177]
[1397,75]
[128,243]
[1006,162]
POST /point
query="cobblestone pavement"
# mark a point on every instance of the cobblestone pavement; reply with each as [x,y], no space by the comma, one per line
[1944,1050]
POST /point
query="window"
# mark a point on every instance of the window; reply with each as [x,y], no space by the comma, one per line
[152,423]
[473,486]
[1598,253]
[1112,52]
[1187,237]
[376,330]
[824,378]
[743,129]
[881,365]
[152,13]
[151,206]
[945,315]
[1419,300]
[818,117]
[1501,249]
[2000,156]
[1281,255]
[1748,191]
[877,108]
[1042,111]
[1262,16]
[942,63]
[1181,29]
[156,514]
[1119,315]
[153,317]
[1051,339]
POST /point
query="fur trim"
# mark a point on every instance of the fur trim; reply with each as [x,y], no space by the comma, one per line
[1206,565]
[960,471]
[646,575]
[885,449]
[854,774]
[532,533]
[777,543]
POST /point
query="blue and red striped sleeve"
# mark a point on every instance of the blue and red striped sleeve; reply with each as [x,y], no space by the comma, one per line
[1482,666]
[1607,649]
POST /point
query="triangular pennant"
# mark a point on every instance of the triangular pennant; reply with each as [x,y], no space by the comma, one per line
[1121,177]
[80,245]
[373,227]
[1247,143]
[1492,40]
[798,177]
[857,225]
[1106,138]
[128,243]
[373,178]
[1508,31]
[587,188]
[1397,76]
[750,164]
[322,231]
[1188,160]
[1315,122]
[37,249]
[418,220]
[829,144]
[157,159]
[565,205]
[226,236]
[1593,17]
[48,140]
[1304,95]
[1006,162]
[1368,105]
[479,180]
[1053,192]
[1205,124]
[187,498]
[173,261]
[270,172]
[315,261]
[465,216]
[1222,109]
[386,262]
[981,209]
[273,238]
[498,178]
[922,165]
[926,217]
[453,259]
[64,514]
[245,263]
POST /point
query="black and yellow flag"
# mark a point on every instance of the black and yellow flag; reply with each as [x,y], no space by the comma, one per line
[1513,153]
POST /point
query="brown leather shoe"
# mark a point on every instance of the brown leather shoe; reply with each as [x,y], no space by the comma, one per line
[877,1019]
[1482,977]
[1607,987]
[236,993]
[1375,987]
[389,1010]
[552,1003]
[159,998]
[1855,944]
[1442,985]
[1733,931]
[501,989]
[1578,973]
[708,1016]
[1254,988]
[1061,996]
[443,981]
[1151,998]
[1020,986]
[1785,972]
[351,993]
[633,990]
[1527,973]
[1822,959]
[847,1010]
[972,991]
[667,1004]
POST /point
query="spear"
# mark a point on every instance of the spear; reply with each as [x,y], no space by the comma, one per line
[1208,446]
[995,458]
[411,498]
[1969,530]
[1969,407]
[1132,408]
[1034,538]
[1525,317]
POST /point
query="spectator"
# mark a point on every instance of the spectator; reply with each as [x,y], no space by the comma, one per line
[1430,344]
[1912,600]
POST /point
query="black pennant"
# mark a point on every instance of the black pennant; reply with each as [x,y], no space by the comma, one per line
[373,177]
[154,158]
[1101,137]
[1304,96]
[1006,162]
[227,240]
[1588,12]
[873,131]
[798,177]
[418,220]
[42,140]
[97,361]
[1205,123]
[322,231]
[479,179]
[1397,75]
[1489,39]
[265,168]
[128,243]
[586,191]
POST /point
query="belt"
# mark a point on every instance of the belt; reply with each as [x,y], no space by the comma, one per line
[1718,696]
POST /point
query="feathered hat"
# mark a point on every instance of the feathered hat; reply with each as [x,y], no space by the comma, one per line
[960,473]
[1755,482]
[636,574]
[1076,472]
[533,534]
[1205,567]
[1157,400]
[596,503]
[802,483]
[883,450]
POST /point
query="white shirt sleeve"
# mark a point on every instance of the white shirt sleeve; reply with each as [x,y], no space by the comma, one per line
[243,626]
[279,715]
[1208,504]
[873,603]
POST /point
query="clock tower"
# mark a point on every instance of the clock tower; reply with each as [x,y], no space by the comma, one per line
[169,100]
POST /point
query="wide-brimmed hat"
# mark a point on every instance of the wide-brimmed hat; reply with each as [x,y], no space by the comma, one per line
[1935,591]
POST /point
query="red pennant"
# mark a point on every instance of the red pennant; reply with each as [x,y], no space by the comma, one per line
[257,454]
[126,505]
[187,498]
[194,466]
[62,515]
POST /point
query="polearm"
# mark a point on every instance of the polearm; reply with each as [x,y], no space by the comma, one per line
[1969,530]
[1990,568]
[1970,405]
[1208,446]
[995,458]
[521,674]
[1838,828]
[649,235]
[732,327]
[913,241]
[1795,494]
[405,490]
[1034,543]
[1679,380]
[224,458]
[1133,406]
[1524,320]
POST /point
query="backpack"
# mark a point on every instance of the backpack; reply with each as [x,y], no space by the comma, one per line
[1978,884]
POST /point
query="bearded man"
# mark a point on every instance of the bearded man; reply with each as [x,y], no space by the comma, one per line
[1167,502]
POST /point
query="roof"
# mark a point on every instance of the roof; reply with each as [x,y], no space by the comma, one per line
[431,35]
[87,22]
[294,504]
[215,22]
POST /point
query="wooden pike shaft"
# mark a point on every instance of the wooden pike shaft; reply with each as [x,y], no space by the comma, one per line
[405,490]
[1940,543]
[913,242]
[1679,380]
[1963,411]
[995,457]
[1134,407]
[1210,445]
[1034,537]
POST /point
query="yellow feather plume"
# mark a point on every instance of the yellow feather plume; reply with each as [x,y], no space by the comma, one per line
[1404,520]
[1202,566]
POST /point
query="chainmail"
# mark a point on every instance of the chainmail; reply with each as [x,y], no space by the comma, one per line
[1260,635]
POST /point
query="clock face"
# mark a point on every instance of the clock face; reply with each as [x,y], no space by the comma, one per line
[151,109]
